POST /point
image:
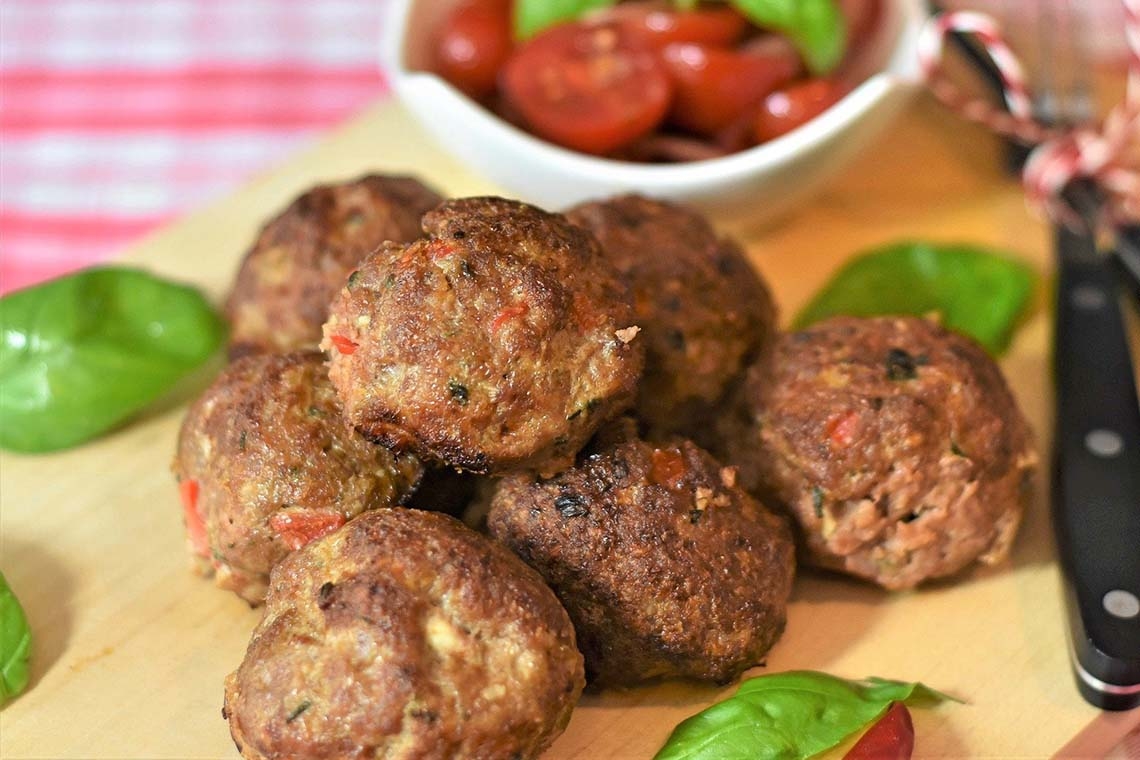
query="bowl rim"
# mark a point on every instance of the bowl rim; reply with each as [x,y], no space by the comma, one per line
[901,71]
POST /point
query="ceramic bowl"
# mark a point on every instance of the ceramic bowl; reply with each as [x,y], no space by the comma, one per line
[743,188]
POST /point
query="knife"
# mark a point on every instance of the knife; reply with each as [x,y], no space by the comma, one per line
[1096,487]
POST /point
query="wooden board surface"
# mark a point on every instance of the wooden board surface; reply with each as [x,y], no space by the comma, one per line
[131,648]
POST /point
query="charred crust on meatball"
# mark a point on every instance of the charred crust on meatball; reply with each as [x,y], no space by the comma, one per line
[666,567]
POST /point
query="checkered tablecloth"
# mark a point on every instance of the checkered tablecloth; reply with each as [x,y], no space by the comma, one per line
[119,115]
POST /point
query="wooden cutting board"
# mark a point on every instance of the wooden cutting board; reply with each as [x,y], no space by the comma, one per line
[130,648]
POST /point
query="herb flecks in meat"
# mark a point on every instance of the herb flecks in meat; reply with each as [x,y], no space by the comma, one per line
[901,365]
[458,392]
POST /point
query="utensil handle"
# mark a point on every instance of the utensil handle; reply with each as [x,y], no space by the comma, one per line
[1096,506]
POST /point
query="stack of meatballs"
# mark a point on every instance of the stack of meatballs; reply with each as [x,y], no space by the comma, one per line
[603,395]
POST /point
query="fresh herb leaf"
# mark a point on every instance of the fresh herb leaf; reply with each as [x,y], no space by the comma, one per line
[82,353]
[15,644]
[816,27]
[788,716]
[976,291]
[532,16]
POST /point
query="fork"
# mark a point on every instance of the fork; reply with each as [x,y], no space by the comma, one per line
[1096,447]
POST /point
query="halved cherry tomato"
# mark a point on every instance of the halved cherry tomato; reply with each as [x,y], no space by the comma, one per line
[713,87]
[890,738]
[591,87]
[661,23]
[297,527]
[786,109]
[472,43]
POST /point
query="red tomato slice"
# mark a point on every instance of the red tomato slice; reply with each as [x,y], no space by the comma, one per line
[661,23]
[297,527]
[890,738]
[786,109]
[472,43]
[713,87]
[590,87]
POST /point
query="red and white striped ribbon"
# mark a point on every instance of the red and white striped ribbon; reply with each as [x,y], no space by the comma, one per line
[1106,153]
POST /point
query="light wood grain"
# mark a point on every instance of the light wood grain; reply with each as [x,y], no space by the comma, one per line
[131,648]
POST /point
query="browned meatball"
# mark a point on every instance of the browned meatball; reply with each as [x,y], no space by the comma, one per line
[266,462]
[302,257]
[705,311]
[895,444]
[501,341]
[666,567]
[405,635]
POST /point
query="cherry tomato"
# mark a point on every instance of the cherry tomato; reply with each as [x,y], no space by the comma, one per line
[713,87]
[591,87]
[661,23]
[786,109]
[472,43]
[890,738]
[297,527]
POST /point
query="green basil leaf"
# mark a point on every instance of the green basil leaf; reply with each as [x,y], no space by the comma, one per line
[816,27]
[15,644]
[788,716]
[82,353]
[974,290]
[532,16]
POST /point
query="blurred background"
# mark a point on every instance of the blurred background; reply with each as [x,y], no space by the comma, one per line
[117,116]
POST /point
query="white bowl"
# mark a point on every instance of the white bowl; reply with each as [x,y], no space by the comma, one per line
[741,189]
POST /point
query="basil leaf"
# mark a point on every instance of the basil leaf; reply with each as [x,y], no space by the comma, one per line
[974,290]
[82,353]
[786,716]
[532,16]
[15,644]
[816,27]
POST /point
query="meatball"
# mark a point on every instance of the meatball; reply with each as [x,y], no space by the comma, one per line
[405,635]
[894,444]
[666,567]
[302,257]
[705,311]
[500,341]
[266,461]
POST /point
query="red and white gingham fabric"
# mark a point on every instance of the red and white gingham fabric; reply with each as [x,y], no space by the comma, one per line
[119,115]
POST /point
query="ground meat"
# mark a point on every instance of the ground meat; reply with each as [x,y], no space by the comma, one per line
[895,444]
[501,341]
[266,461]
[666,567]
[405,635]
[705,312]
[302,257]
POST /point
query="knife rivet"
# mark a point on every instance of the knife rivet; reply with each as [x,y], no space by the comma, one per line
[1088,297]
[1104,443]
[1122,604]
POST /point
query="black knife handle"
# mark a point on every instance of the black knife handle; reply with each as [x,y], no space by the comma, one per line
[1096,505]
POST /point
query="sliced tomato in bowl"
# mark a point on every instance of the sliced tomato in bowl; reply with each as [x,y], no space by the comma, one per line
[714,87]
[661,23]
[593,87]
[472,43]
[788,108]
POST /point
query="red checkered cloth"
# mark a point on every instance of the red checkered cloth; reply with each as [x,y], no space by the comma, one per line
[118,115]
